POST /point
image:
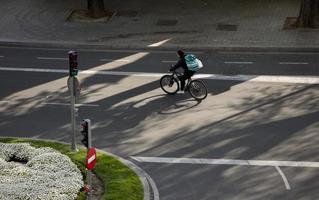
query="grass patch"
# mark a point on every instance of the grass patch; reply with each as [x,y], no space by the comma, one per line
[120,182]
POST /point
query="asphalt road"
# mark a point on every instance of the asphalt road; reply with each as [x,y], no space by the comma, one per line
[252,139]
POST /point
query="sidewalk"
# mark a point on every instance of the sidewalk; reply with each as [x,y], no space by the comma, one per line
[192,24]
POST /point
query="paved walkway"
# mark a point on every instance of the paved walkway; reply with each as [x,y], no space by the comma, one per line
[192,24]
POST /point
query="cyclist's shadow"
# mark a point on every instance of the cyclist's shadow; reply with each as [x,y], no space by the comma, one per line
[168,104]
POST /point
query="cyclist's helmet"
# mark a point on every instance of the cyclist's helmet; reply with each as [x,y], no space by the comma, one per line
[180,53]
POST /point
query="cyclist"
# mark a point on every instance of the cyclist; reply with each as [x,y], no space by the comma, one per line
[187,72]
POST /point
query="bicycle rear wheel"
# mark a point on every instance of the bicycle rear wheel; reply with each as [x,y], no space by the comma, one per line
[169,84]
[197,89]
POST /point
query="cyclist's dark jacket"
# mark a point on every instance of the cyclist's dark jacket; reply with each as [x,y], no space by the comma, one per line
[181,63]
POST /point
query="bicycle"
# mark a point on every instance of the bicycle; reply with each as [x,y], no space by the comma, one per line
[170,84]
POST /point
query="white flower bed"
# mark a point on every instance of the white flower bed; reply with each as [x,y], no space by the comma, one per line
[40,174]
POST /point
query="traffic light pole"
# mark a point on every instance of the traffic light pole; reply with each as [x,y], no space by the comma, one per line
[72,86]
[73,71]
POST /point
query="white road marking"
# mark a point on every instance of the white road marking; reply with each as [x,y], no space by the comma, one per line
[226,162]
[34,70]
[293,63]
[67,104]
[157,44]
[49,58]
[275,164]
[248,78]
[238,63]
[101,50]
[1,56]
[267,53]
[284,178]
[114,60]
[168,61]
[4,101]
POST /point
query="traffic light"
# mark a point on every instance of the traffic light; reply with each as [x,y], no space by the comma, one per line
[85,133]
[73,63]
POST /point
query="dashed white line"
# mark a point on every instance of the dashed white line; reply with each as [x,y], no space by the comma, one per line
[168,61]
[114,60]
[50,58]
[266,53]
[284,178]
[157,44]
[227,162]
[293,63]
[238,63]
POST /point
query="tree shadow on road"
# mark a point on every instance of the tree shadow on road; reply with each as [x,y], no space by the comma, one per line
[279,126]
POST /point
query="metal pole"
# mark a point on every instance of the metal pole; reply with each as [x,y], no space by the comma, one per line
[89,173]
[73,145]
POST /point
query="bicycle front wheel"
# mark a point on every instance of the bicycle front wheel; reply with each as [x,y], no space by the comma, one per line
[197,89]
[169,84]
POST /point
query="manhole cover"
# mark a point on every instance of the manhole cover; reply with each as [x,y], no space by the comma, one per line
[226,27]
[166,22]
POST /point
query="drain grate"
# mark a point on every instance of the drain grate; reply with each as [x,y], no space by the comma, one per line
[166,22]
[226,27]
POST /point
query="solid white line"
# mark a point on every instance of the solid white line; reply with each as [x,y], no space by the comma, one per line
[249,63]
[67,104]
[227,162]
[248,78]
[114,60]
[284,178]
[293,63]
[48,58]
[34,70]
[118,73]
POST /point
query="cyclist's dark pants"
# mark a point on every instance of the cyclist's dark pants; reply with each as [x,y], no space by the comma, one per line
[184,77]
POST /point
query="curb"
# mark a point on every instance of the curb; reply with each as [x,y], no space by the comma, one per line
[146,180]
[83,45]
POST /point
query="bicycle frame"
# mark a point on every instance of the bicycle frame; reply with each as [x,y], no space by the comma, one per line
[177,75]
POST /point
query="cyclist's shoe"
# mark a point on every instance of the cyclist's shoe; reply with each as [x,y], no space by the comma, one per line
[180,92]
